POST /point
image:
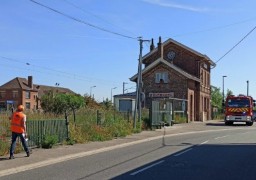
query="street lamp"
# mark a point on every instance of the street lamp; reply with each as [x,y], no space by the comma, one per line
[223,101]
[91,90]
[247,87]
[111,92]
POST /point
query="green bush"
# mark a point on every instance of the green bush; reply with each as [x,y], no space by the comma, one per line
[49,141]
[180,119]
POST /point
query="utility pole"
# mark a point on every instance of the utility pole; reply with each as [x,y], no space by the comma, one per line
[139,85]
[223,99]
[124,86]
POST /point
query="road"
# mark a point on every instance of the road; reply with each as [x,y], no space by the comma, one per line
[225,153]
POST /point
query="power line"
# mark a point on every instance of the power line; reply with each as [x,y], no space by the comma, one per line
[61,73]
[236,44]
[87,12]
[81,21]
[213,28]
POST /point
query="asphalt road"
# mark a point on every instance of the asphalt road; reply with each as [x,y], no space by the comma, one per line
[218,154]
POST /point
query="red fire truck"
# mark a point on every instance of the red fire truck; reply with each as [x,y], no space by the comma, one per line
[239,109]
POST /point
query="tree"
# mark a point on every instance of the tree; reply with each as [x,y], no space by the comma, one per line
[229,92]
[107,103]
[47,101]
[216,97]
[59,103]
[74,103]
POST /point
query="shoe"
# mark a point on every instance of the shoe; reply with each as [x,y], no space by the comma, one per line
[11,157]
[28,154]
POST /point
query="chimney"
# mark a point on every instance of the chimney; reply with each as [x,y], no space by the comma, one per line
[30,81]
[152,46]
[160,48]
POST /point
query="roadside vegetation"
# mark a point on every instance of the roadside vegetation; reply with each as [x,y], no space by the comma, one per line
[88,121]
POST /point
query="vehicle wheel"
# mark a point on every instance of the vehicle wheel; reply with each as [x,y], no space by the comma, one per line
[227,123]
[249,123]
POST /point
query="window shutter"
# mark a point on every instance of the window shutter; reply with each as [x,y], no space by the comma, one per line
[165,77]
[158,77]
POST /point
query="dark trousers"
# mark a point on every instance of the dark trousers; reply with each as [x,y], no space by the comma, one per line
[23,141]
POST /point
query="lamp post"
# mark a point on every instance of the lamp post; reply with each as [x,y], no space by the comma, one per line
[91,90]
[247,87]
[223,101]
[111,93]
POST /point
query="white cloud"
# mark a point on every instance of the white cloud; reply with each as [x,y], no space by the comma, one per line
[176,5]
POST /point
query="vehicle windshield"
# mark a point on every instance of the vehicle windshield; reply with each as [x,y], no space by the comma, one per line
[238,103]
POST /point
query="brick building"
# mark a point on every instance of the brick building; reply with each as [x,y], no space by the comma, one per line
[23,91]
[175,71]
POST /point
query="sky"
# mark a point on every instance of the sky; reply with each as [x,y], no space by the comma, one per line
[92,47]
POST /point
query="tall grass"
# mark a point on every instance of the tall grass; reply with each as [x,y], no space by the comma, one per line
[109,126]
[87,126]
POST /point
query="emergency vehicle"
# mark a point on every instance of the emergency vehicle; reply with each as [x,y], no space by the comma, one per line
[239,109]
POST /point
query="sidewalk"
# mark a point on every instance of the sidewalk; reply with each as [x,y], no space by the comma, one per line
[43,157]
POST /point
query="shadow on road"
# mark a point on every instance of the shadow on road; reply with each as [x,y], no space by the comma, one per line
[200,163]
[223,124]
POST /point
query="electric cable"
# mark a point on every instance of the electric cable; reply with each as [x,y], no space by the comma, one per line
[81,21]
[236,44]
[98,17]
[61,73]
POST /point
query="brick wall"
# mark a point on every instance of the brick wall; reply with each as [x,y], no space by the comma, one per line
[177,83]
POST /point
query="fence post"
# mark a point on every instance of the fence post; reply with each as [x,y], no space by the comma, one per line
[128,115]
[98,117]
[67,125]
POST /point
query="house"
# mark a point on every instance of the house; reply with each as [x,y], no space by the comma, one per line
[23,91]
[176,73]
[125,102]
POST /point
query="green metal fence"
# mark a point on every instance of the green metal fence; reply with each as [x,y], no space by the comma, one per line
[38,129]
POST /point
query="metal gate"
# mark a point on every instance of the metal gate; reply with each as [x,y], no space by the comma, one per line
[161,113]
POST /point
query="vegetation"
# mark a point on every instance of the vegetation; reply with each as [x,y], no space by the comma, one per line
[216,98]
[49,141]
[89,120]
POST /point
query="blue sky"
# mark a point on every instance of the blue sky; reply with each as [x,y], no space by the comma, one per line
[93,42]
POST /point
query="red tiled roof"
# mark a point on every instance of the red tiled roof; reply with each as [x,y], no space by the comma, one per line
[22,83]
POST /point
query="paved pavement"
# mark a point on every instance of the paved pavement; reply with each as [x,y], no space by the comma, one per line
[43,157]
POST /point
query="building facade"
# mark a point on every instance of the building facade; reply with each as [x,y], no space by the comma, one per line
[22,91]
[173,71]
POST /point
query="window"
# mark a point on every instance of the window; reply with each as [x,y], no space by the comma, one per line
[2,94]
[161,77]
[15,94]
[27,105]
[27,94]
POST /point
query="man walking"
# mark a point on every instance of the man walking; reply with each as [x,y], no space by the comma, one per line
[18,128]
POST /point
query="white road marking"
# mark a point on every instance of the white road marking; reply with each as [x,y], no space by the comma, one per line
[143,169]
[183,152]
[221,137]
[204,142]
